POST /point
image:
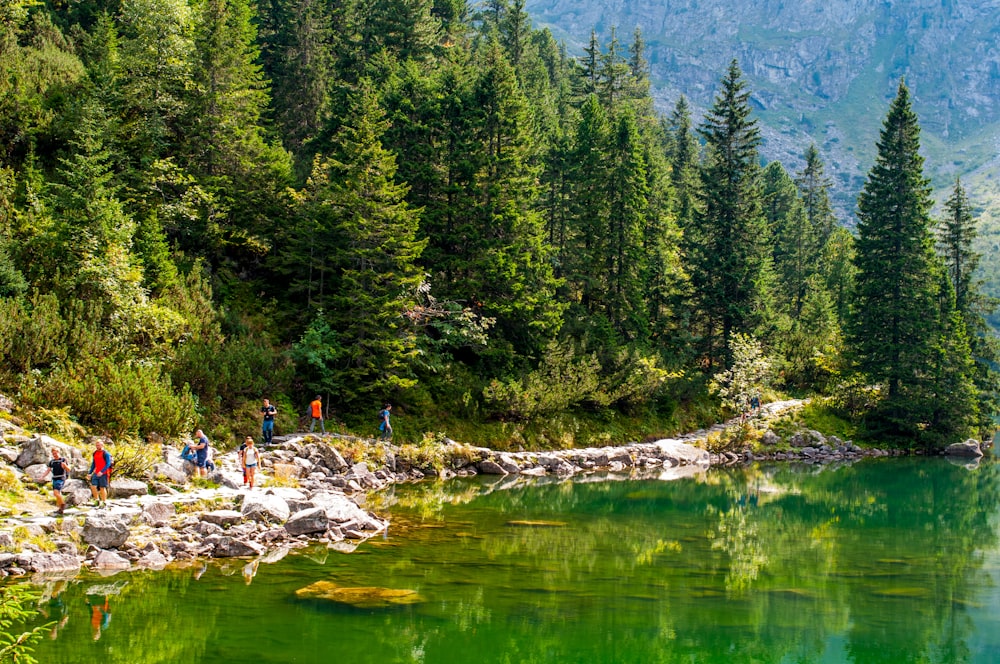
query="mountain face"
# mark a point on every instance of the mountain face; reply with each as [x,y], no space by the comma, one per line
[821,71]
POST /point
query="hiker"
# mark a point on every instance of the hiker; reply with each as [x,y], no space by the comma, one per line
[60,471]
[251,457]
[200,446]
[99,474]
[384,427]
[316,411]
[267,427]
[240,455]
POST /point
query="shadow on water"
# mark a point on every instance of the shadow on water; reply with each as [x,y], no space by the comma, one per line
[878,561]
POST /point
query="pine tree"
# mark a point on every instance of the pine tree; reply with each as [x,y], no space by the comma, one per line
[225,144]
[683,155]
[591,206]
[374,260]
[727,241]
[814,188]
[625,260]
[795,247]
[510,267]
[956,235]
[897,325]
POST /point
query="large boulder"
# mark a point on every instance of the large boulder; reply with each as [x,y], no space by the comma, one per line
[265,507]
[54,563]
[158,514]
[331,457]
[170,472]
[969,449]
[39,450]
[487,467]
[37,473]
[307,521]
[152,560]
[223,518]
[110,560]
[339,508]
[230,547]
[682,454]
[126,488]
[105,531]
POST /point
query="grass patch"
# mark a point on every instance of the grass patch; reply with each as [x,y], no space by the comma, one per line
[821,417]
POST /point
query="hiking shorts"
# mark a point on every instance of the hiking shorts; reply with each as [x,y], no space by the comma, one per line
[99,481]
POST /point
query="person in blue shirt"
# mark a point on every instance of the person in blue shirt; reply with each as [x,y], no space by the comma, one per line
[200,446]
[384,427]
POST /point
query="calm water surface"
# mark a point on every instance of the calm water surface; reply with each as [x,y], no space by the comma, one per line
[883,561]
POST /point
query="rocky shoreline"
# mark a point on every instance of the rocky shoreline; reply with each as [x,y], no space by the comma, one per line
[312,494]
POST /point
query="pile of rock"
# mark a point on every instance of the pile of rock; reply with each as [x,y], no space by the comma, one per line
[151,532]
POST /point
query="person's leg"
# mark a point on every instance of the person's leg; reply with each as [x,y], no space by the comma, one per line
[322,426]
[312,425]
[60,505]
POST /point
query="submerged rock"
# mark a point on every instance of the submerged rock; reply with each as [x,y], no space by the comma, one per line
[363,598]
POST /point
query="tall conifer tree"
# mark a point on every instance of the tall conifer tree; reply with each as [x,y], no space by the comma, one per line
[375,272]
[897,326]
[727,241]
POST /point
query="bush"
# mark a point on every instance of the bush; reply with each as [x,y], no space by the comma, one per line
[117,398]
[134,460]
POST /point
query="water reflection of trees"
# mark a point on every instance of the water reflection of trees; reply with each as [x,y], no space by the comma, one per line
[882,555]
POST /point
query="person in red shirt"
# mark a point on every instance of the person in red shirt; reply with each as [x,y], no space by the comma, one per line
[316,410]
[100,474]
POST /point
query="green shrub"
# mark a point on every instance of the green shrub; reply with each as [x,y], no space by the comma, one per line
[118,398]
[134,460]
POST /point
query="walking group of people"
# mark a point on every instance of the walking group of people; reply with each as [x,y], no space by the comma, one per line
[198,452]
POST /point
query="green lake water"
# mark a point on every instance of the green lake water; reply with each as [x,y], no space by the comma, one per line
[880,561]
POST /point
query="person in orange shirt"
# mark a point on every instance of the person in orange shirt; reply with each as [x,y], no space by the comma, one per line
[316,410]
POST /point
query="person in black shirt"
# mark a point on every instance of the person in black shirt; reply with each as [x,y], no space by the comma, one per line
[267,428]
[60,471]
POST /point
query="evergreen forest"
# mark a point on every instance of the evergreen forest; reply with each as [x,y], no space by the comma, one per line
[432,203]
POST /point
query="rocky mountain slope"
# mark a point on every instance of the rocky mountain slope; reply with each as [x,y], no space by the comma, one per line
[821,71]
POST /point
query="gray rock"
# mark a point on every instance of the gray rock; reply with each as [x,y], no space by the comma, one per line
[158,514]
[339,508]
[536,471]
[681,453]
[488,467]
[206,529]
[6,540]
[105,531]
[307,521]
[222,480]
[508,464]
[39,450]
[109,560]
[230,547]
[9,454]
[37,473]
[170,473]
[770,438]
[223,517]
[53,563]
[77,496]
[265,507]
[152,560]
[126,488]
[969,449]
